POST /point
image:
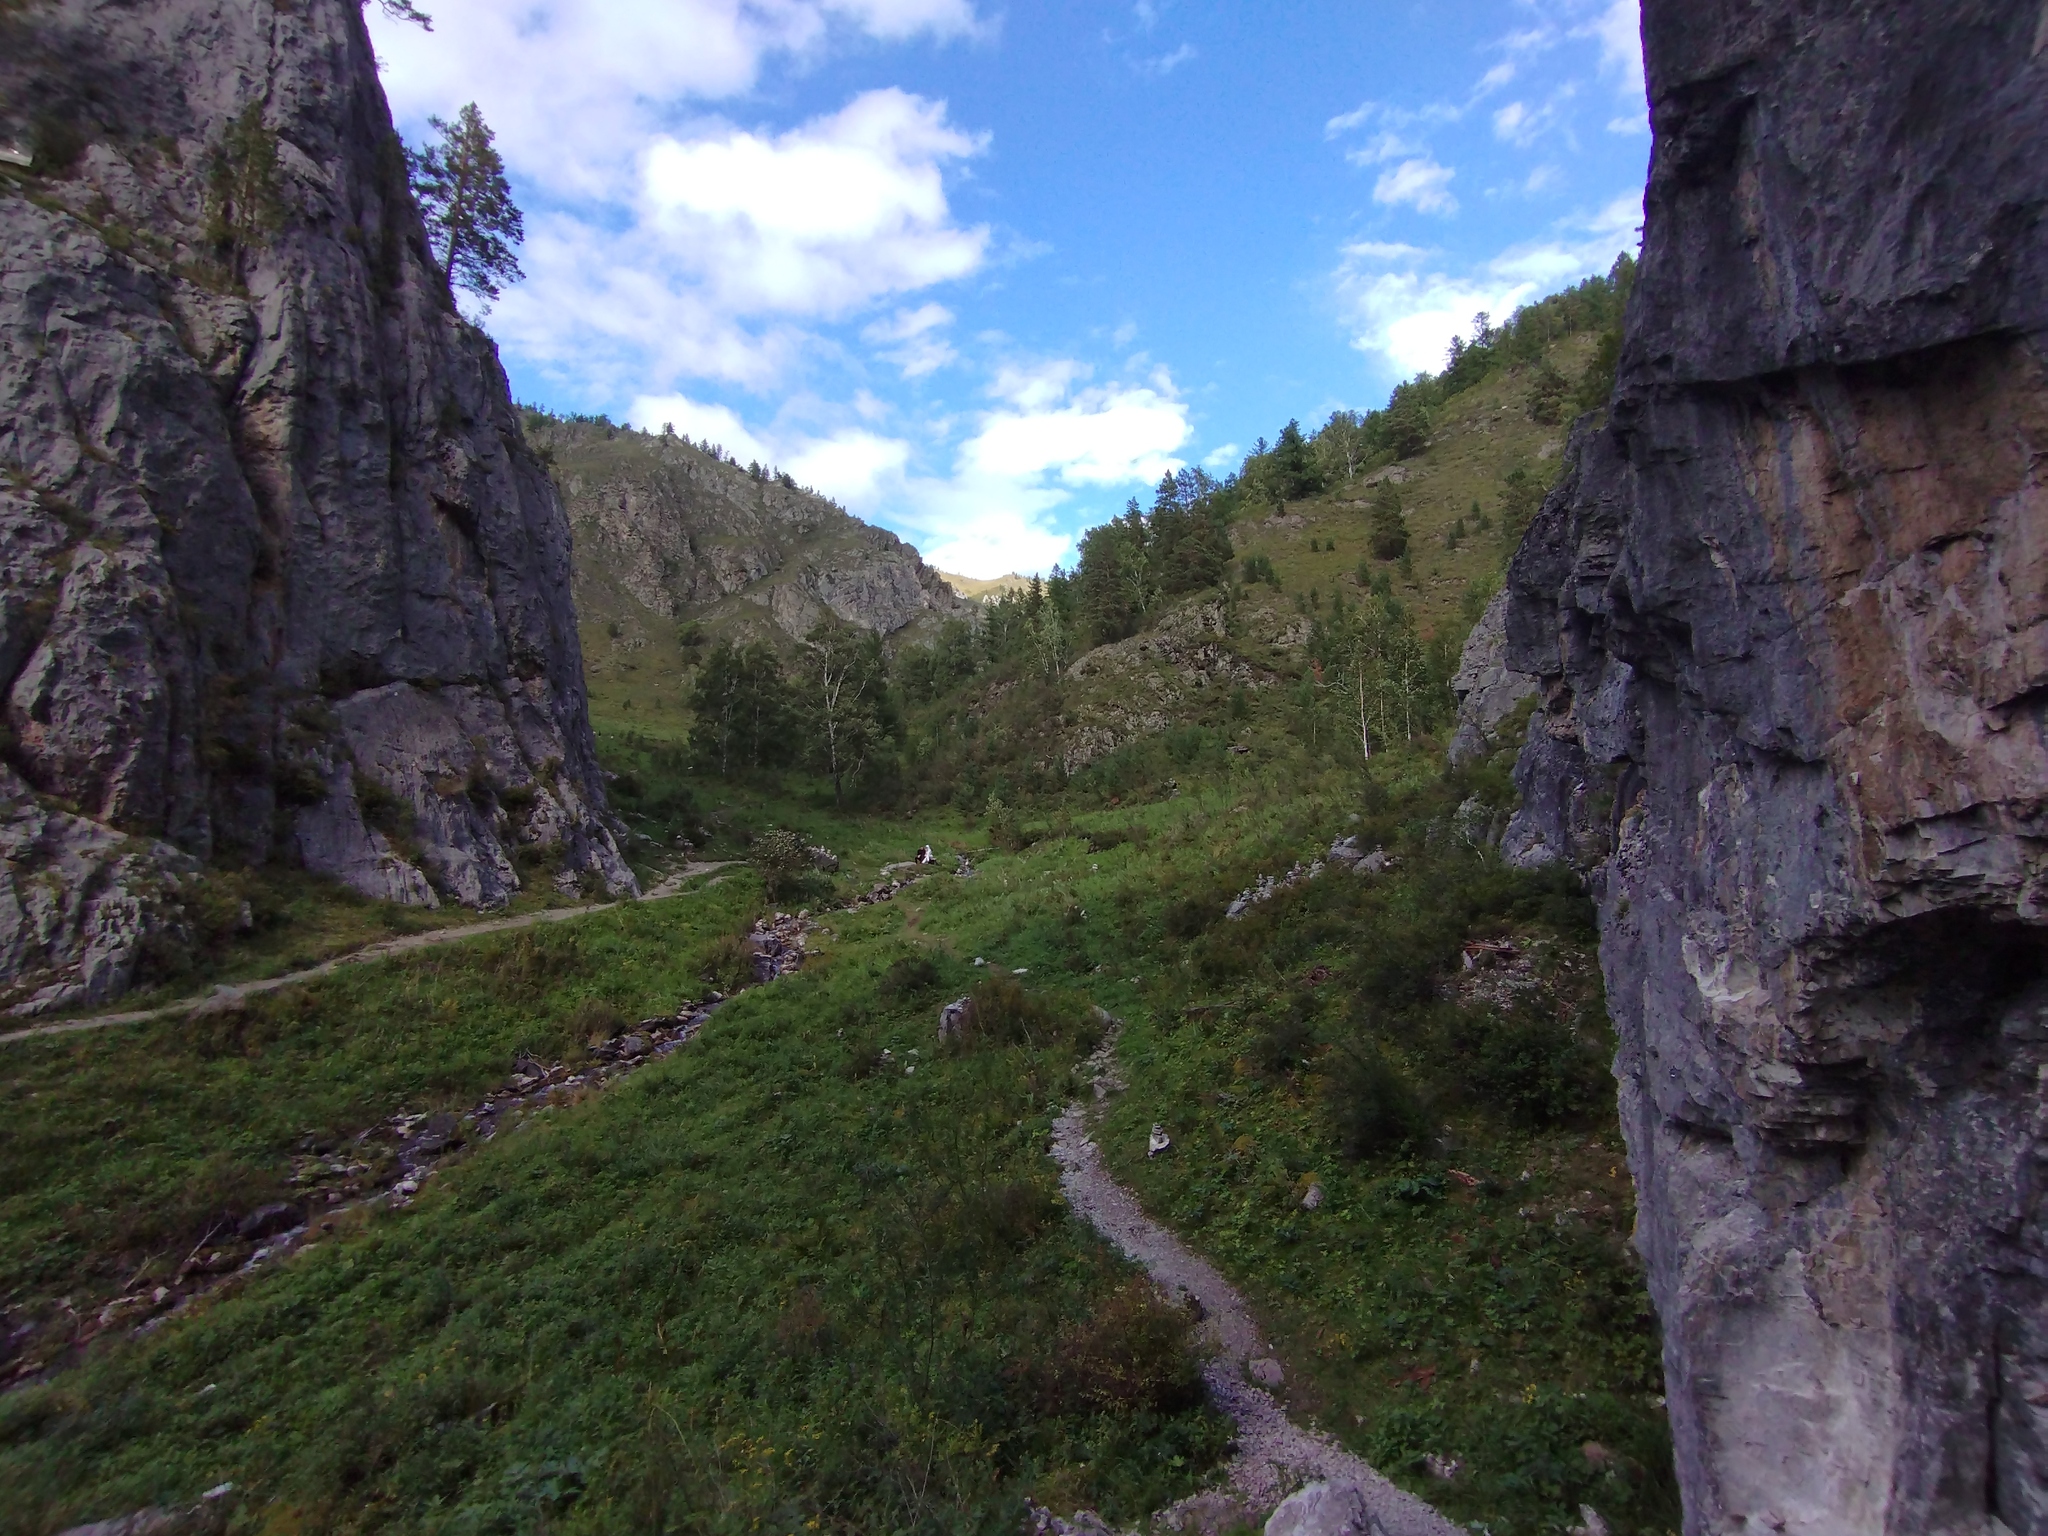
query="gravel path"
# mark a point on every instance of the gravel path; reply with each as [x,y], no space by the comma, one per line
[228,993]
[1274,1455]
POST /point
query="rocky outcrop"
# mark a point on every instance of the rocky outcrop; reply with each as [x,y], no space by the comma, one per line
[1137,686]
[1487,689]
[1790,609]
[279,575]
[666,530]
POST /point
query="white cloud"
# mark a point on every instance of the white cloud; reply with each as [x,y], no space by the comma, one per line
[851,465]
[1167,63]
[1511,121]
[1223,457]
[1638,124]
[700,279]
[1421,183]
[662,247]
[1619,31]
[1382,147]
[699,422]
[1400,309]
[822,219]
[1050,438]
[1384,250]
[1035,386]
[1109,436]
[1022,466]
[908,340]
[603,307]
[572,86]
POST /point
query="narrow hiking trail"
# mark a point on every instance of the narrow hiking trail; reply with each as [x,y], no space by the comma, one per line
[1274,1454]
[228,993]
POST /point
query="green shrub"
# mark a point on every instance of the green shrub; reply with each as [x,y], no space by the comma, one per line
[1371,1107]
[728,963]
[1132,1355]
[1533,1067]
[783,861]
[596,1020]
[910,977]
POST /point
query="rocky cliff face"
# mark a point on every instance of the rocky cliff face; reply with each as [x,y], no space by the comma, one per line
[1789,608]
[665,531]
[279,576]
[1488,690]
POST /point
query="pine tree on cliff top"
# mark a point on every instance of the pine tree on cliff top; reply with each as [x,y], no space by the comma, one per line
[471,218]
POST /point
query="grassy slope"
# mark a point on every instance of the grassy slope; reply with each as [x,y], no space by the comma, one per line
[770,1286]
[772,1282]
[1479,437]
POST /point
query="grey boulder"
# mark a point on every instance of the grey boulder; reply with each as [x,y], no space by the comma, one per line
[1325,1509]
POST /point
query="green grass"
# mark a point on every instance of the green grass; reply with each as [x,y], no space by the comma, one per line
[778,1281]
[773,1282]
[294,921]
[135,1140]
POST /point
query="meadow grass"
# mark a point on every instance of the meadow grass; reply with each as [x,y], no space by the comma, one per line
[809,1273]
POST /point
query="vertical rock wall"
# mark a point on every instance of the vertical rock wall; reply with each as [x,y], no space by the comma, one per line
[278,574]
[1789,608]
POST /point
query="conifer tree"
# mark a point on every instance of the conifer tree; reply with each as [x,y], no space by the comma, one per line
[472,222]
[1389,529]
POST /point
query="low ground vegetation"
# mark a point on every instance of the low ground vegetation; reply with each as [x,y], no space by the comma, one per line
[812,1271]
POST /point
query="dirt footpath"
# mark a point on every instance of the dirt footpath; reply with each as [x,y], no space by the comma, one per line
[229,993]
[1274,1454]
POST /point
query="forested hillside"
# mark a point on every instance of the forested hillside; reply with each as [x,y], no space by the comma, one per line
[679,546]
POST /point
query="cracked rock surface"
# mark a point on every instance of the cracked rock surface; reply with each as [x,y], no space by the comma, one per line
[278,572]
[1789,613]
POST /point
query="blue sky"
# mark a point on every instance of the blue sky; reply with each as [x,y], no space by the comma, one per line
[981,273]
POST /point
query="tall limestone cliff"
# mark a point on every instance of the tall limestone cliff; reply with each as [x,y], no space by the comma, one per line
[665,531]
[1789,608]
[280,576]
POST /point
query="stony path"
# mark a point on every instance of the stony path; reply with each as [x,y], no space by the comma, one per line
[233,992]
[1274,1454]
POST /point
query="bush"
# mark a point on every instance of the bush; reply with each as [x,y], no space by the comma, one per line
[909,977]
[1533,1067]
[783,861]
[1285,1043]
[596,1019]
[1134,1355]
[1002,1012]
[1371,1106]
[728,963]
[1004,828]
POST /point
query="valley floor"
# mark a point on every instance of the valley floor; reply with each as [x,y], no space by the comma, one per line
[812,1270]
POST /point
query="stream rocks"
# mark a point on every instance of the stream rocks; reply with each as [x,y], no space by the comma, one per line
[1789,612]
[282,577]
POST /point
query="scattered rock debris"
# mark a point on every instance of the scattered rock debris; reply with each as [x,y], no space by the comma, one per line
[1344,853]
